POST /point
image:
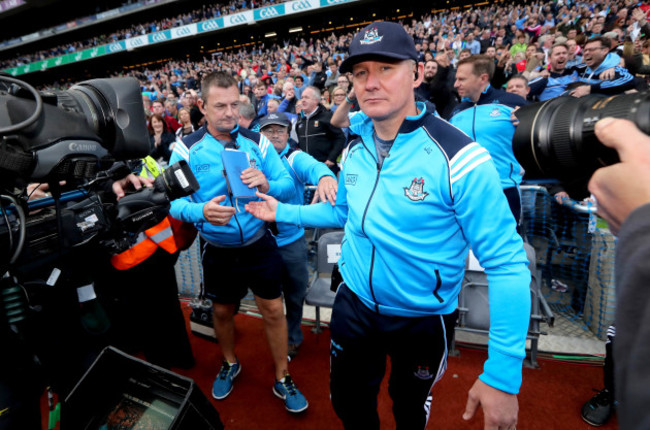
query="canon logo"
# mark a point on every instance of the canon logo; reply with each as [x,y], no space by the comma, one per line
[115,47]
[82,147]
[209,25]
[159,37]
[237,19]
[301,5]
[268,12]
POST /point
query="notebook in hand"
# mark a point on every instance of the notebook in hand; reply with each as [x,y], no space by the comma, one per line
[235,162]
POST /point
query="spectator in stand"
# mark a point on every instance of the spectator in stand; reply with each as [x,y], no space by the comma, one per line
[189,101]
[332,74]
[171,107]
[325,99]
[423,91]
[146,105]
[573,54]
[247,116]
[186,127]
[518,84]
[262,97]
[316,135]
[344,83]
[595,53]
[473,45]
[318,76]
[520,46]
[272,105]
[160,138]
[158,108]
[288,104]
[338,97]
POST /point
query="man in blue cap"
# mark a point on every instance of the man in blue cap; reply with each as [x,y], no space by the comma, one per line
[303,169]
[413,195]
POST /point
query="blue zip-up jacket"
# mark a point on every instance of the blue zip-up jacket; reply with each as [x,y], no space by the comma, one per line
[621,82]
[303,169]
[409,225]
[556,84]
[203,154]
[488,123]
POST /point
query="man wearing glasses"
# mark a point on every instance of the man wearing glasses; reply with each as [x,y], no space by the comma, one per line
[303,169]
[594,54]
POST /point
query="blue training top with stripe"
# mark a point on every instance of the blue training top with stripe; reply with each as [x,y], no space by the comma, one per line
[303,169]
[203,154]
[488,122]
[408,227]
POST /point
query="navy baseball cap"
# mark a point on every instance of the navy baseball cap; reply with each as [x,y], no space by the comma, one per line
[277,118]
[380,40]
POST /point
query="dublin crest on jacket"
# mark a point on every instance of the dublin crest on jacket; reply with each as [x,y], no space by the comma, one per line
[416,191]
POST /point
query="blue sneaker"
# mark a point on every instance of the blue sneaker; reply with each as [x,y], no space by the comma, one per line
[223,384]
[294,401]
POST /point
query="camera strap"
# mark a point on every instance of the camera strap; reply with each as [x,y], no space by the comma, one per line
[20,163]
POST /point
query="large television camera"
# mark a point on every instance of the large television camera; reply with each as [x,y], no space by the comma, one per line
[74,137]
[555,138]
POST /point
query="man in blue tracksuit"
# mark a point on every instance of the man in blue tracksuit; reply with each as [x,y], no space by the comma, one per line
[595,59]
[414,193]
[560,78]
[484,114]
[238,251]
[303,169]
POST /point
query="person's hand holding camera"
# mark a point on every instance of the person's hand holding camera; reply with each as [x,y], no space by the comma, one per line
[131,181]
[623,187]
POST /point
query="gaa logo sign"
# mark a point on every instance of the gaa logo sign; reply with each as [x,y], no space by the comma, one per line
[333,2]
[183,31]
[115,47]
[268,12]
[238,19]
[209,25]
[158,37]
[137,42]
[301,5]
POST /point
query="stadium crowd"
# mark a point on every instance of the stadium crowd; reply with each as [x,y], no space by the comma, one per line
[536,52]
[207,11]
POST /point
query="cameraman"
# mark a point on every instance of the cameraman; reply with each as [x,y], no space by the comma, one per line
[623,193]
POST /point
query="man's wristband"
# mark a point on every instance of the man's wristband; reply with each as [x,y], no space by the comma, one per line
[347,99]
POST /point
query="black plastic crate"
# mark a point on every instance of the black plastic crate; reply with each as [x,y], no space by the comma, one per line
[123,392]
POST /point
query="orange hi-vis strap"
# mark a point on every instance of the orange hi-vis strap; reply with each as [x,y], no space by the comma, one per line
[145,245]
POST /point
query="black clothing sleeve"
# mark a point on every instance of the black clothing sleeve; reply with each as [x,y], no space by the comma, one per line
[632,349]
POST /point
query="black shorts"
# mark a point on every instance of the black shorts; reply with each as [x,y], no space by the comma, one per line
[228,273]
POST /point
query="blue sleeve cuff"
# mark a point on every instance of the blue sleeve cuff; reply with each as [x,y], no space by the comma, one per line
[289,214]
[502,372]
